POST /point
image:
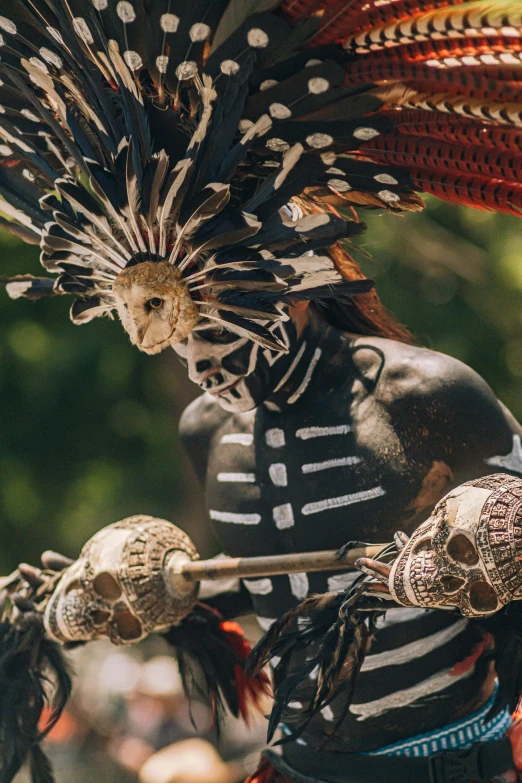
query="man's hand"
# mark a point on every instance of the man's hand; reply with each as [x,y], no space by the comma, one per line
[466,555]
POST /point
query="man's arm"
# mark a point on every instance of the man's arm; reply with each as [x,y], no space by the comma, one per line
[471,431]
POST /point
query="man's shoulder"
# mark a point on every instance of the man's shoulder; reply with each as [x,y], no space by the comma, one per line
[201,418]
[411,370]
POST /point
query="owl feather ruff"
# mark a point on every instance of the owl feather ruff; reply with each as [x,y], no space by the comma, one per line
[152,146]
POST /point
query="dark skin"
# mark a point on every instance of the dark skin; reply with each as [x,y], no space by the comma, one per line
[420,422]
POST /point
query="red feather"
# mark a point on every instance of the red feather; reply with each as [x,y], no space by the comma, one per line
[448,157]
[250,690]
[454,48]
[478,192]
[459,129]
[504,82]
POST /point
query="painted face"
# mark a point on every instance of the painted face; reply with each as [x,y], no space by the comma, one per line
[239,373]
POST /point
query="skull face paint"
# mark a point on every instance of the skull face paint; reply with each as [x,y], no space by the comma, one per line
[467,554]
[239,373]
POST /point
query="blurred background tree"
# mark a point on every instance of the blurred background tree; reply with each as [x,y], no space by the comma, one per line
[88,430]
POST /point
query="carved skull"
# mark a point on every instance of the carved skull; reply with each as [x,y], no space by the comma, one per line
[116,588]
[467,554]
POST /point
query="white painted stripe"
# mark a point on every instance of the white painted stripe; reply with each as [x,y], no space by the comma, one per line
[306,380]
[343,500]
[277,473]
[314,467]
[299,585]
[240,478]
[241,438]
[292,367]
[275,438]
[341,582]
[258,586]
[235,519]
[435,684]
[414,650]
[295,705]
[266,622]
[327,713]
[305,433]
[283,516]
[400,615]
[271,406]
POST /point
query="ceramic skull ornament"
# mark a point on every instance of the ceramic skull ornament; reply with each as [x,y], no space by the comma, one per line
[116,588]
[466,555]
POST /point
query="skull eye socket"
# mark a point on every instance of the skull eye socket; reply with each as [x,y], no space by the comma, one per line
[106,586]
[423,546]
[482,597]
[452,584]
[462,550]
[100,616]
[128,626]
[74,585]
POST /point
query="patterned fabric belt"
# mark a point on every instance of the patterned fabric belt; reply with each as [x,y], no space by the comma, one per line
[460,735]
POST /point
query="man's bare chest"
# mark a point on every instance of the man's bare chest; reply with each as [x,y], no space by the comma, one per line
[280,483]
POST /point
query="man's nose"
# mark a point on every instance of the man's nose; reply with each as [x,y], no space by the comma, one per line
[203,365]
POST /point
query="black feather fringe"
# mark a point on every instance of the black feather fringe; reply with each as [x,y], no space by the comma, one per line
[341,636]
[211,655]
[31,666]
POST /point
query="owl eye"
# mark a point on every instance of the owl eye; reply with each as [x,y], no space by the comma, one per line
[155,303]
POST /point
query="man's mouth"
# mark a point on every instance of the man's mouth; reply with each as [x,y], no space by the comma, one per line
[222,389]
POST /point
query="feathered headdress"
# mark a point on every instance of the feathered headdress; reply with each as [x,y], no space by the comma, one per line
[152,145]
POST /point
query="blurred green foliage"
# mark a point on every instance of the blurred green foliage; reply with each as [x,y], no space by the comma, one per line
[88,429]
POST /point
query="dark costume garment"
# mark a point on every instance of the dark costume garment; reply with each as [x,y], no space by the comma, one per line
[415,652]
[484,763]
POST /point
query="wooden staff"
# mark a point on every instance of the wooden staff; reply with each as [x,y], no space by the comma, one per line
[180,572]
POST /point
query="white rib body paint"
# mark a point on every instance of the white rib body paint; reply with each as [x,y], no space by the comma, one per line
[277,472]
[275,438]
[327,713]
[342,462]
[401,615]
[305,433]
[414,650]
[235,519]
[265,622]
[295,705]
[306,380]
[292,367]
[341,582]
[239,438]
[237,478]
[511,461]
[299,585]
[343,500]
[258,586]
[435,684]
[283,516]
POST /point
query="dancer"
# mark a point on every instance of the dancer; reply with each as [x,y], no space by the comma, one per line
[183,167]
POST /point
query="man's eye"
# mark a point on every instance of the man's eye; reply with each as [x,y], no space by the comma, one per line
[155,303]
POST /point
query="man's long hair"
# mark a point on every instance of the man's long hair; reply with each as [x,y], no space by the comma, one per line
[364,313]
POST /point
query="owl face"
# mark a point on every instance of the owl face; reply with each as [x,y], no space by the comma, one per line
[154,306]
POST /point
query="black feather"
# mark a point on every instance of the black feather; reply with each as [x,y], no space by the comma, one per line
[30,664]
